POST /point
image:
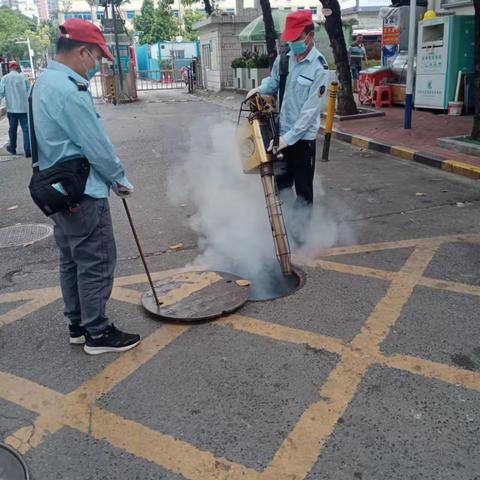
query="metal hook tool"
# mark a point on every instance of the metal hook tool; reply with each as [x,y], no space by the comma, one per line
[137,241]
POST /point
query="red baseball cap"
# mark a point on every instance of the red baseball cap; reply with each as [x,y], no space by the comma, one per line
[83,31]
[13,64]
[295,24]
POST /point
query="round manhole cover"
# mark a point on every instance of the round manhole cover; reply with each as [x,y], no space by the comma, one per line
[18,235]
[12,466]
[196,296]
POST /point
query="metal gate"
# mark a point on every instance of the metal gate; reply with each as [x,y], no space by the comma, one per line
[159,79]
[105,85]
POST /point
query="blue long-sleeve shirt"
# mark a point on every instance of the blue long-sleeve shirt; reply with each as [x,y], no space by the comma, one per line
[306,90]
[66,124]
[14,87]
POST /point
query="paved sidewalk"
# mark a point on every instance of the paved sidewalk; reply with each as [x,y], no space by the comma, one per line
[426,128]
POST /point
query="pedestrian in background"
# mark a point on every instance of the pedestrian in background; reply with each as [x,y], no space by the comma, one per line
[357,54]
[65,127]
[14,87]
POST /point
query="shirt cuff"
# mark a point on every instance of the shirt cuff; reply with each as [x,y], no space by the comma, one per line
[122,180]
[290,138]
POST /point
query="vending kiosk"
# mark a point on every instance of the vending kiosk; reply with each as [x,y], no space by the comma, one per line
[445,51]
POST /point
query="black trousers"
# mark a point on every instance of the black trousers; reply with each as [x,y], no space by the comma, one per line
[299,170]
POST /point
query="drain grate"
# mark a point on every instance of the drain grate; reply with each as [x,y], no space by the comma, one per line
[18,235]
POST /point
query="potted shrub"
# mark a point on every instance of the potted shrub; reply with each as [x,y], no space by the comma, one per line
[239,73]
[258,69]
[249,70]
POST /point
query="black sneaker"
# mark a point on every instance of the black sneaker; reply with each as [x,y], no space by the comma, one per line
[28,155]
[11,150]
[77,334]
[110,340]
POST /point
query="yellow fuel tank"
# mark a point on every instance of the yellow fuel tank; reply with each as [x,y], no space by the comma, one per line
[252,146]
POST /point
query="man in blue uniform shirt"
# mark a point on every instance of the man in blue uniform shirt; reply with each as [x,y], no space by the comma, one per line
[305,91]
[14,87]
[67,125]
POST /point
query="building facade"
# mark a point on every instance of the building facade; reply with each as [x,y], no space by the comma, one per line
[43,9]
[365,12]
[458,7]
[81,9]
[28,7]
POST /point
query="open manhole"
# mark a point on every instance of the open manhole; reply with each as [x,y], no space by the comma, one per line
[269,283]
[12,465]
[18,235]
[196,296]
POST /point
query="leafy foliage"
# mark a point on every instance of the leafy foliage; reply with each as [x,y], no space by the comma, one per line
[13,27]
[16,27]
[189,18]
[251,60]
[157,23]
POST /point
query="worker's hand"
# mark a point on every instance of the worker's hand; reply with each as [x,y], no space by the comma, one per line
[281,145]
[252,92]
[123,188]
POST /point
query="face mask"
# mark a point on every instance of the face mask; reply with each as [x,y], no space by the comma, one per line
[299,47]
[91,72]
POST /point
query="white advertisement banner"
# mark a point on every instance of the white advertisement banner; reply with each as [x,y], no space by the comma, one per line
[344,4]
[430,91]
[373,3]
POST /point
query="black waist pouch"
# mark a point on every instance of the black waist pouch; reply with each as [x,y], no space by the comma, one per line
[60,186]
[69,176]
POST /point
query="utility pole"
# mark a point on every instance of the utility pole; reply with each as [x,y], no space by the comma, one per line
[117,48]
[30,54]
[410,74]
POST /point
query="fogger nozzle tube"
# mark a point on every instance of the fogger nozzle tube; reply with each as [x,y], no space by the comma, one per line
[276,218]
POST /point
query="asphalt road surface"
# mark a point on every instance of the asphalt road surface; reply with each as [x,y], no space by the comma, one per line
[370,371]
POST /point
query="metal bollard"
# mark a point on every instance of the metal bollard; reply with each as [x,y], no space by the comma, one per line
[332,98]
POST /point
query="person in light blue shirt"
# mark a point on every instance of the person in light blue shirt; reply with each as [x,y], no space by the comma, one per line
[66,126]
[14,87]
[303,101]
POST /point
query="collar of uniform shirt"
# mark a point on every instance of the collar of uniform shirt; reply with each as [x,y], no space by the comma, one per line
[53,65]
[312,55]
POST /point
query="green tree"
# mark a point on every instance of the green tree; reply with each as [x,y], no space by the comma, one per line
[167,27]
[209,6]
[40,42]
[190,17]
[156,23]
[13,26]
[333,25]
[270,33]
[145,21]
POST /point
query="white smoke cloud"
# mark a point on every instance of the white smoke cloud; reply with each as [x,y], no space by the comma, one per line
[231,218]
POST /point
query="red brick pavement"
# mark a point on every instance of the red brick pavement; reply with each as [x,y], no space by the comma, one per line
[426,128]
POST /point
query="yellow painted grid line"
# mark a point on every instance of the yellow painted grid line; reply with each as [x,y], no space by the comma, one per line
[438,371]
[303,445]
[319,420]
[411,242]
[282,333]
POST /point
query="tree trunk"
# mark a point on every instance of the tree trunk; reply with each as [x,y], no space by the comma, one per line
[270,34]
[333,25]
[476,117]
[208,7]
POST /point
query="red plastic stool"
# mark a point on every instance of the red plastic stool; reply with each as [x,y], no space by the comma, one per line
[382,96]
